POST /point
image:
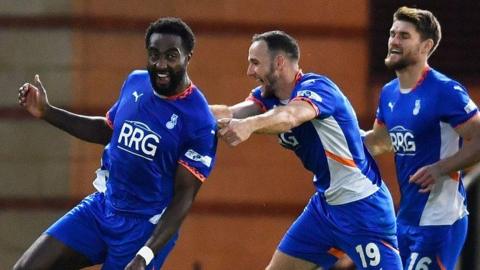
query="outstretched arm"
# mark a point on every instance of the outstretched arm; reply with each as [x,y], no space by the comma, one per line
[468,155]
[278,120]
[239,111]
[33,97]
[186,188]
[377,140]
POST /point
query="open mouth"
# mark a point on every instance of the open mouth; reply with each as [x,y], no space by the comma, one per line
[162,78]
[395,52]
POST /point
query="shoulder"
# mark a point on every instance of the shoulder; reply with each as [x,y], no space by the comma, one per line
[138,74]
[316,81]
[444,84]
[196,107]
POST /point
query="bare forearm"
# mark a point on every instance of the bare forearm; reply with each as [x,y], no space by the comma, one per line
[273,122]
[88,128]
[221,111]
[168,225]
[376,146]
[467,156]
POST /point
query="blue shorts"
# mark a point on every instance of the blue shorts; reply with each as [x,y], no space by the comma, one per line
[106,237]
[435,247]
[364,229]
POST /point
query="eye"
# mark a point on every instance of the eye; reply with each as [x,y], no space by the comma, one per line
[172,56]
[153,55]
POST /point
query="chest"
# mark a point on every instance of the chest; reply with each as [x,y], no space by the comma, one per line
[147,127]
[415,112]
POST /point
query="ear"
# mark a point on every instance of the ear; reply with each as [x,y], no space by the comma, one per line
[427,46]
[189,56]
[279,61]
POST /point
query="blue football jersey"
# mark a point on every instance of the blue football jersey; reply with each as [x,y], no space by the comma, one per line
[152,136]
[330,145]
[421,125]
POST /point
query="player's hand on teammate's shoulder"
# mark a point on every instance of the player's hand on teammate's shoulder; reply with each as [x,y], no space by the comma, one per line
[33,97]
[137,263]
[426,177]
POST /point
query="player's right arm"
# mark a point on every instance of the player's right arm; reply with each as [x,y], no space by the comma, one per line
[33,98]
[377,140]
[240,110]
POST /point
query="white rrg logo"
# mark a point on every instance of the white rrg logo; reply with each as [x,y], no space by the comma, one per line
[138,139]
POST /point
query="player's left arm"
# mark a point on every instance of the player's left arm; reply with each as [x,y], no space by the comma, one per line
[186,188]
[275,121]
[468,155]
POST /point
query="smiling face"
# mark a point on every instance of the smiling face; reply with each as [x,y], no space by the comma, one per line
[261,66]
[405,46]
[167,63]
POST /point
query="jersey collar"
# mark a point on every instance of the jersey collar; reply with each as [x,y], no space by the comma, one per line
[185,93]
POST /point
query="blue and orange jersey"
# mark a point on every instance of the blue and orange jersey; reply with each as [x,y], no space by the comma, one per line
[421,123]
[330,145]
[152,136]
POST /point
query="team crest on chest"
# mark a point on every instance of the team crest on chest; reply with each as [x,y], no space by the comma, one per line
[173,121]
[416,109]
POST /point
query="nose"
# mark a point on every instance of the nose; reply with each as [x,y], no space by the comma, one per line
[250,70]
[161,63]
[394,40]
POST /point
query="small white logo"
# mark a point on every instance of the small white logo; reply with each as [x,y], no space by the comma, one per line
[458,87]
[173,121]
[205,160]
[136,95]
[416,109]
[390,105]
[309,94]
[471,106]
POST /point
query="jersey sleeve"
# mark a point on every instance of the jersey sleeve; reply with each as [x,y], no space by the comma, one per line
[264,103]
[320,96]
[379,117]
[455,105]
[198,156]
[110,115]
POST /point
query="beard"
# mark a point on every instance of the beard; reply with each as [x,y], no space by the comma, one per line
[170,88]
[402,63]
[269,84]
[398,65]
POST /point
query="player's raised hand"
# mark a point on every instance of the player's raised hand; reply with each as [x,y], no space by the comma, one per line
[425,177]
[33,97]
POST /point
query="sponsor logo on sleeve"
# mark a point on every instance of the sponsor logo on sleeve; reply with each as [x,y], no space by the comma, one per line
[205,160]
[309,94]
[470,107]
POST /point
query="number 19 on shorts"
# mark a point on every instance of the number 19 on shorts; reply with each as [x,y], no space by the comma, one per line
[370,255]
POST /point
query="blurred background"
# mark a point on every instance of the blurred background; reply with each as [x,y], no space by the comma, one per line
[84,49]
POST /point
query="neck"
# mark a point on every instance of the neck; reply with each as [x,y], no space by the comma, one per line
[409,76]
[182,85]
[287,82]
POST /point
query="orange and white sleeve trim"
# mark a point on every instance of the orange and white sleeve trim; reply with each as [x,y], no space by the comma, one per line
[258,102]
[194,171]
[109,122]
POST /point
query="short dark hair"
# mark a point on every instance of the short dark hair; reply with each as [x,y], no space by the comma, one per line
[279,41]
[174,26]
[425,23]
